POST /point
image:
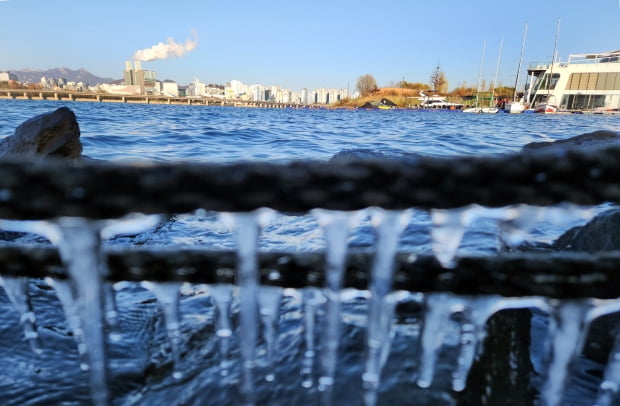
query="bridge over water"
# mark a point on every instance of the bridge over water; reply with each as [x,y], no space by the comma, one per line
[67,95]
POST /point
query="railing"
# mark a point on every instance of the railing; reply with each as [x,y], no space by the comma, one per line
[67,203]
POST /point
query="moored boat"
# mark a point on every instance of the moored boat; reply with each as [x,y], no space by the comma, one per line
[545,108]
[481,110]
[515,106]
[489,109]
[437,102]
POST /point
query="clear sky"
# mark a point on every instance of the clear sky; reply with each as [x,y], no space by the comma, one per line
[299,44]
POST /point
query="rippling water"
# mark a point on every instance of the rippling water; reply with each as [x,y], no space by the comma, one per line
[114,131]
[140,358]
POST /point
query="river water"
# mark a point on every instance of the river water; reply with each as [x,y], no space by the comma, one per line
[206,368]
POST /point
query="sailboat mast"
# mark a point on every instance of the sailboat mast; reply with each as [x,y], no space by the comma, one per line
[484,45]
[499,56]
[555,48]
[514,97]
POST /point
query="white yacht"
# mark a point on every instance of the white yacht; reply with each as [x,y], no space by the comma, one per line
[586,82]
[514,107]
[437,102]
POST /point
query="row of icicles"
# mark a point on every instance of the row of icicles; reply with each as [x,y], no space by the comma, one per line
[79,242]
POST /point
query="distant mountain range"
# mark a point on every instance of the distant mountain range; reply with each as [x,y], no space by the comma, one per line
[80,75]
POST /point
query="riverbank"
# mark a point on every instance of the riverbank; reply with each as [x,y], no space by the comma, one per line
[402,98]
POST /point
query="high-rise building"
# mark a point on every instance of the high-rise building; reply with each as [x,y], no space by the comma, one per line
[305,96]
[6,76]
[146,80]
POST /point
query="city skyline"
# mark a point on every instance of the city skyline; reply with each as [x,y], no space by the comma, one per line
[295,45]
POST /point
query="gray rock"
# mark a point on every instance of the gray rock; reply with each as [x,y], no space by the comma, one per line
[583,143]
[56,133]
[602,233]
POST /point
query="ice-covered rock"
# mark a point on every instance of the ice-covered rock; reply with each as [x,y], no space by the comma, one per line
[602,233]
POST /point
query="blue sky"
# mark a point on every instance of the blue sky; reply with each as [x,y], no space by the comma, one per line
[300,44]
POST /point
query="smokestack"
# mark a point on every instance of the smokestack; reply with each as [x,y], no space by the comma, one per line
[166,50]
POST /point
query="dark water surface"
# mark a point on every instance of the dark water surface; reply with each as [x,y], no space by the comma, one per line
[140,359]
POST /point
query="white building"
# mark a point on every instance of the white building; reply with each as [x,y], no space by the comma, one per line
[170,88]
[6,76]
[257,92]
[304,96]
[196,88]
[213,91]
[236,89]
[328,96]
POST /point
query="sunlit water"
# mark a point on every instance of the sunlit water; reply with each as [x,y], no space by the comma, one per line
[155,358]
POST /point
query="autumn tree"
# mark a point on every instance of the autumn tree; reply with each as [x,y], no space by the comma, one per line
[438,80]
[413,85]
[504,91]
[366,84]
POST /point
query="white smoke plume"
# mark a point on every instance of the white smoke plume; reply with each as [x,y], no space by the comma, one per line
[166,50]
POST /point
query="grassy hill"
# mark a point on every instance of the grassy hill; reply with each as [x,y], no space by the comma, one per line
[402,97]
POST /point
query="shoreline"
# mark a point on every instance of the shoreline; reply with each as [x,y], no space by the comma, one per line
[55,95]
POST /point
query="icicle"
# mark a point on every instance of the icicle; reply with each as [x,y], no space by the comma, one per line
[447,232]
[517,223]
[110,311]
[336,226]
[66,296]
[79,243]
[610,387]
[389,227]
[439,307]
[129,225]
[167,295]
[313,298]
[222,298]
[566,333]
[247,228]
[80,249]
[269,300]
[16,289]
[477,311]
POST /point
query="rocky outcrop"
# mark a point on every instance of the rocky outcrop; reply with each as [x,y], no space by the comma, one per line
[56,133]
[583,143]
